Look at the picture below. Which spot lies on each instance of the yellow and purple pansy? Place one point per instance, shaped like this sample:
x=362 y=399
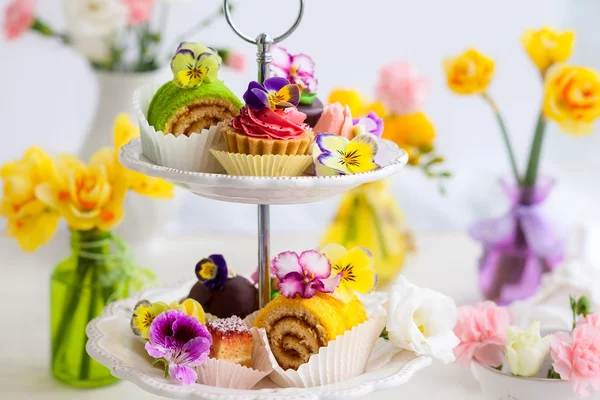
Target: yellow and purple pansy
x=212 y=271
x=144 y=313
x=336 y=155
x=276 y=92
x=193 y=64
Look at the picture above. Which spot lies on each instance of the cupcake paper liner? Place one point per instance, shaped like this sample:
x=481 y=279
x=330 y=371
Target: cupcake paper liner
x=267 y=165
x=225 y=374
x=185 y=153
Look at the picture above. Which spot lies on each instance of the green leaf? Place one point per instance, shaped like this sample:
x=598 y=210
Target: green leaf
x=583 y=306
x=384 y=334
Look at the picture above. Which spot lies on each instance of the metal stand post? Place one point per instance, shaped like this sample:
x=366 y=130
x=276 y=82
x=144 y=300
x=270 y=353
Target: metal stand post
x=263 y=58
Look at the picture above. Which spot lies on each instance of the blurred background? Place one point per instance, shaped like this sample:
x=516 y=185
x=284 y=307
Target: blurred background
x=48 y=97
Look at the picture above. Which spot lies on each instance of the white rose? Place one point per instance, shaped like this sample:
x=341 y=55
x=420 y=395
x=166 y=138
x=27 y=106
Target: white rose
x=422 y=320
x=526 y=350
x=92 y=25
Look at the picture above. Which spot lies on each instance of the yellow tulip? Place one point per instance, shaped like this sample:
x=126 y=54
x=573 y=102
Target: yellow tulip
x=572 y=98
x=124 y=131
x=548 y=46
x=469 y=73
x=87 y=196
x=30 y=221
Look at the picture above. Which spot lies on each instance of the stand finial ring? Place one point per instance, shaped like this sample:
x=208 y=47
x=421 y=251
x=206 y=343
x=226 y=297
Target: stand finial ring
x=252 y=40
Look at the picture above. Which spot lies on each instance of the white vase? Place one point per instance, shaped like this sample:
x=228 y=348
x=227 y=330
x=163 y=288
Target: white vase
x=145 y=219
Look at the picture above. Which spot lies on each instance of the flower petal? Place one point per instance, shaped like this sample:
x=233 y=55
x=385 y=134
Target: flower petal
x=155 y=351
x=330 y=143
x=286 y=263
x=183 y=60
x=287 y=96
x=334 y=252
x=316 y=264
x=356 y=268
x=330 y=284
x=275 y=84
x=360 y=154
x=185 y=374
x=195 y=352
x=261 y=99
x=304 y=64
x=281 y=59
x=291 y=285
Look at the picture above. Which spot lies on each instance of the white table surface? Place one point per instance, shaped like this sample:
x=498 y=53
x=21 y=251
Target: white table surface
x=445 y=261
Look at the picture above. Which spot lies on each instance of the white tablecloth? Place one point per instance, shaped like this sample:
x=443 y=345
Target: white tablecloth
x=444 y=261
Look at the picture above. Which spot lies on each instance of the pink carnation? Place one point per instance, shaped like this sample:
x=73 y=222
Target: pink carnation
x=140 y=11
x=235 y=60
x=482 y=334
x=18 y=18
x=592 y=319
x=577 y=358
x=401 y=88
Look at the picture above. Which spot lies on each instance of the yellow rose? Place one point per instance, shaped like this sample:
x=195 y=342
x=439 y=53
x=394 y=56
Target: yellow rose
x=30 y=221
x=87 y=196
x=351 y=98
x=412 y=132
x=548 y=46
x=469 y=73
x=124 y=131
x=572 y=98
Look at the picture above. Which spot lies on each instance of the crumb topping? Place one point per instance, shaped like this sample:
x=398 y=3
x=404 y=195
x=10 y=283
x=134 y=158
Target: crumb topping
x=228 y=326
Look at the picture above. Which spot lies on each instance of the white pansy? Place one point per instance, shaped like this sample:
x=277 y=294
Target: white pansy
x=526 y=350
x=422 y=320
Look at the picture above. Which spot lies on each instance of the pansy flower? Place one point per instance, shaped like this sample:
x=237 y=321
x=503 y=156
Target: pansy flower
x=144 y=313
x=193 y=64
x=181 y=342
x=354 y=267
x=372 y=124
x=212 y=271
x=336 y=155
x=297 y=68
x=304 y=274
x=276 y=92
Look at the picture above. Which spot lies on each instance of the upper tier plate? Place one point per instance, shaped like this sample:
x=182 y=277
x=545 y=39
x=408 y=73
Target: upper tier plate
x=262 y=190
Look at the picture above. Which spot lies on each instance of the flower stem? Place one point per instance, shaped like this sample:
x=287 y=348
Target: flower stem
x=503 y=130
x=535 y=152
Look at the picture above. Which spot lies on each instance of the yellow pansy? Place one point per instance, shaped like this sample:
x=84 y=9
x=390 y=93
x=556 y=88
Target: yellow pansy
x=30 y=222
x=469 y=73
x=572 y=98
x=144 y=313
x=355 y=266
x=191 y=307
x=87 y=196
x=124 y=131
x=336 y=155
x=547 y=46
x=414 y=133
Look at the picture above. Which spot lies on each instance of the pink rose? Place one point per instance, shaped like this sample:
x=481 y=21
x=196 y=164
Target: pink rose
x=18 y=18
x=235 y=60
x=140 y=11
x=401 y=88
x=336 y=119
x=577 y=358
x=482 y=334
x=592 y=319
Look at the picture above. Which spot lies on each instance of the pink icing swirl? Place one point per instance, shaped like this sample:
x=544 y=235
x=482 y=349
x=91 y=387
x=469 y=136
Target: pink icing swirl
x=271 y=124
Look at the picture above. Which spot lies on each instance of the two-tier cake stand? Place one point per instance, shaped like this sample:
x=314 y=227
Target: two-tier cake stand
x=107 y=342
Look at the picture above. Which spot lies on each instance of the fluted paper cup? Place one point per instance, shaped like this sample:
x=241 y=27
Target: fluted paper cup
x=185 y=153
x=225 y=374
x=273 y=165
x=343 y=358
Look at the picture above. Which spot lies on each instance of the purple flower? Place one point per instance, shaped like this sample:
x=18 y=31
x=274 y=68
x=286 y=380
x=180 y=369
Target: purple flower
x=181 y=341
x=276 y=92
x=297 y=68
x=372 y=123
x=212 y=271
x=305 y=275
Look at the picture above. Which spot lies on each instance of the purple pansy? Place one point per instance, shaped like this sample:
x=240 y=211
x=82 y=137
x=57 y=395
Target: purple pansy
x=304 y=274
x=276 y=92
x=297 y=68
x=212 y=271
x=181 y=341
x=372 y=123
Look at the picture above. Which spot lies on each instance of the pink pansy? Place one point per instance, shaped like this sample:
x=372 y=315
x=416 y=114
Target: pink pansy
x=296 y=68
x=482 y=334
x=592 y=319
x=577 y=358
x=304 y=274
x=140 y=11
x=335 y=119
x=401 y=88
x=235 y=60
x=18 y=18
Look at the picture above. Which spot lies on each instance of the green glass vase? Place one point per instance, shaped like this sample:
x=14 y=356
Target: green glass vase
x=99 y=270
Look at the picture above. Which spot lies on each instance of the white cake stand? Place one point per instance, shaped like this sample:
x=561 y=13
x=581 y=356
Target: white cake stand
x=110 y=341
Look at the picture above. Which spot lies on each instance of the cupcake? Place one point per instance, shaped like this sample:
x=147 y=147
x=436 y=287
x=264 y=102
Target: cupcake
x=269 y=136
x=299 y=69
x=179 y=121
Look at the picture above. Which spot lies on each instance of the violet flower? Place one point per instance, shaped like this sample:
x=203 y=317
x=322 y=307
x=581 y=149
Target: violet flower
x=212 y=271
x=297 y=68
x=372 y=123
x=276 y=92
x=305 y=275
x=181 y=342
